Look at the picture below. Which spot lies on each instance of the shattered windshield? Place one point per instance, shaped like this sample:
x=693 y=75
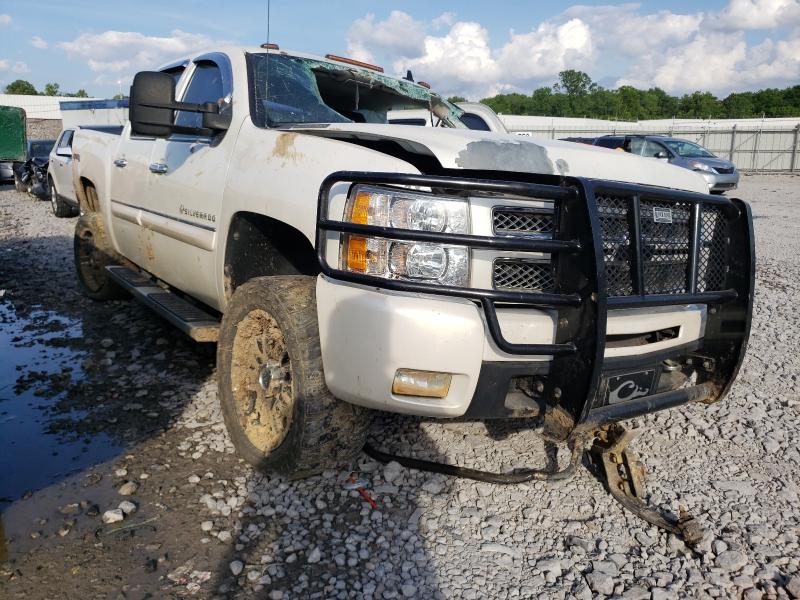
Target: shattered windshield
x=289 y=90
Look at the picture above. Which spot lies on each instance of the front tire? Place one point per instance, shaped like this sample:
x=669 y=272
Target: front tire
x=60 y=208
x=279 y=413
x=93 y=252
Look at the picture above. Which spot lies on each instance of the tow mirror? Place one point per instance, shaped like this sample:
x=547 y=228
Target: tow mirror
x=151 y=100
x=152 y=108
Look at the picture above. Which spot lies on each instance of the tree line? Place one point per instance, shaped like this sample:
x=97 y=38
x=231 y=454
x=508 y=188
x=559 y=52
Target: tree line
x=576 y=95
x=26 y=88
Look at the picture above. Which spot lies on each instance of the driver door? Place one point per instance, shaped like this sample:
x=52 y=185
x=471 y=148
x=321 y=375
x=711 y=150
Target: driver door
x=186 y=182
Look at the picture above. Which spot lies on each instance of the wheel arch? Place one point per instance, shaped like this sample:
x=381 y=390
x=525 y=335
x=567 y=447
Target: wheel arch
x=257 y=246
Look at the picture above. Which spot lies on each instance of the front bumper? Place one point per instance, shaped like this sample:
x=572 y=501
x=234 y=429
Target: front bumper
x=515 y=354
x=721 y=182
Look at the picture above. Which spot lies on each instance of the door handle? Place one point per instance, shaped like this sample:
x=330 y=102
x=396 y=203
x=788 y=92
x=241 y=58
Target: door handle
x=158 y=168
x=120 y=162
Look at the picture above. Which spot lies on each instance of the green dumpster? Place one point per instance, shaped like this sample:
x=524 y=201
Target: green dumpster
x=12 y=133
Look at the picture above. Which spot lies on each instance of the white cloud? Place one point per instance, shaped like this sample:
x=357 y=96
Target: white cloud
x=445 y=19
x=709 y=61
x=398 y=34
x=18 y=66
x=621 y=28
x=5 y=20
x=38 y=42
x=545 y=51
x=758 y=14
x=129 y=51
x=461 y=59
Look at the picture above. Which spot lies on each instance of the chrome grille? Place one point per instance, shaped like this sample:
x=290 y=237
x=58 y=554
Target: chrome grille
x=522 y=275
x=522 y=221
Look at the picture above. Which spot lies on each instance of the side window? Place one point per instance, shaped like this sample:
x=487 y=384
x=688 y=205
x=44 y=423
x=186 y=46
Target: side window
x=636 y=146
x=473 y=121
x=205 y=86
x=652 y=148
x=66 y=139
x=613 y=142
x=175 y=72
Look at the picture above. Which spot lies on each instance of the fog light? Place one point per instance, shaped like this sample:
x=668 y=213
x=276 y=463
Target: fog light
x=428 y=384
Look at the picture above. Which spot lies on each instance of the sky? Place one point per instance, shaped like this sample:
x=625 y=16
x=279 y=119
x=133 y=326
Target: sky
x=470 y=48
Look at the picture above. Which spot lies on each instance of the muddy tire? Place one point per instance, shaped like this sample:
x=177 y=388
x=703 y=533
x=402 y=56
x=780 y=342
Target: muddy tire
x=60 y=208
x=279 y=413
x=93 y=253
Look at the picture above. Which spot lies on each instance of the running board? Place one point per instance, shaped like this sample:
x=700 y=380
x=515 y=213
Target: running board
x=190 y=319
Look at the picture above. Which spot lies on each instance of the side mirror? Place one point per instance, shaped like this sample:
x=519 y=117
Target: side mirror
x=152 y=108
x=662 y=155
x=152 y=99
x=64 y=152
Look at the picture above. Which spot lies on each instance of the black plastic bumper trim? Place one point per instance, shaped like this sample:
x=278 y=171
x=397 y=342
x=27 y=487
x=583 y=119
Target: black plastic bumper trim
x=614 y=363
x=649 y=404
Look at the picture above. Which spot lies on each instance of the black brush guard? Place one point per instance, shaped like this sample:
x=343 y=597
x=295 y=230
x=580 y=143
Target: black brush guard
x=581 y=296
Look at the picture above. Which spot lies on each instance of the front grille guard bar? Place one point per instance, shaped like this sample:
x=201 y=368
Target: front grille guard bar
x=580 y=300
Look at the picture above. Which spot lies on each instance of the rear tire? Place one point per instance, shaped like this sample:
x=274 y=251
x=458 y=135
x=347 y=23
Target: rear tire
x=60 y=208
x=93 y=253
x=279 y=413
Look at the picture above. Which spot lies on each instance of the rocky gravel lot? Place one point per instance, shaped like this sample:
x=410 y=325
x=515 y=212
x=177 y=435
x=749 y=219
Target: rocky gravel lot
x=157 y=505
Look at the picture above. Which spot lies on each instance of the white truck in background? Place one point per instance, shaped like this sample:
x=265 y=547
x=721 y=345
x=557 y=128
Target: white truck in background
x=474 y=115
x=260 y=199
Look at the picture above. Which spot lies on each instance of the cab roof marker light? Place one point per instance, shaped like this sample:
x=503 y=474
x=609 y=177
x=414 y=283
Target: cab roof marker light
x=424 y=84
x=270 y=46
x=356 y=63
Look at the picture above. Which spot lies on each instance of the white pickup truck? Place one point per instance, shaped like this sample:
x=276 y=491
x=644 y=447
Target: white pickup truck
x=259 y=199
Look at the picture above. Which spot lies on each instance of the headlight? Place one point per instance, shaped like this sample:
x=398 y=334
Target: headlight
x=396 y=259
x=698 y=166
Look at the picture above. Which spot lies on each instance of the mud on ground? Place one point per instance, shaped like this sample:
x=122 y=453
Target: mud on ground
x=100 y=399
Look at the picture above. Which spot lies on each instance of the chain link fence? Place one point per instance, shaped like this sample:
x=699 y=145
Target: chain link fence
x=750 y=149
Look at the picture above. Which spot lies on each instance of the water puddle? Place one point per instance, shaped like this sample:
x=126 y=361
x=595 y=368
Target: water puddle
x=39 y=363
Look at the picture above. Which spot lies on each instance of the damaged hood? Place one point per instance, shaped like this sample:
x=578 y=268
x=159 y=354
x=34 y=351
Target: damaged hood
x=487 y=151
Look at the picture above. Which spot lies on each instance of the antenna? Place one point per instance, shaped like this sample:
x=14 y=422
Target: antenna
x=266 y=84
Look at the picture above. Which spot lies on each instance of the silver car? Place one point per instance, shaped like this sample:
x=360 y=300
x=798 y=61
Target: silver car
x=720 y=174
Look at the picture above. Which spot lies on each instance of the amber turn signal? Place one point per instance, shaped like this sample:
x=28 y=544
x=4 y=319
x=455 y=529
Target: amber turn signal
x=356 y=253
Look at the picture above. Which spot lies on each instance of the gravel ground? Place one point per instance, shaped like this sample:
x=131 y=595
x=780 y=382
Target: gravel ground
x=174 y=513
x=43 y=128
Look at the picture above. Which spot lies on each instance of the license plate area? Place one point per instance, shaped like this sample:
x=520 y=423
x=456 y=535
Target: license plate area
x=623 y=387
